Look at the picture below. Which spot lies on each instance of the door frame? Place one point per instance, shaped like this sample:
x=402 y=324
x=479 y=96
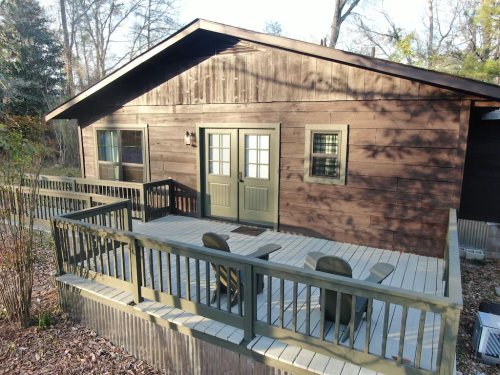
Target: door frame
x=199 y=157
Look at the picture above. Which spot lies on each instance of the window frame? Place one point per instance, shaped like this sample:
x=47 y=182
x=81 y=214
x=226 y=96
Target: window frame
x=342 y=131
x=120 y=164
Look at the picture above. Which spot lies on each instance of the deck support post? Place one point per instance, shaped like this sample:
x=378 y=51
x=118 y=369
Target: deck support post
x=135 y=270
x=248 y=291
x=128 y=220
x=446 y=359
x=57 y=248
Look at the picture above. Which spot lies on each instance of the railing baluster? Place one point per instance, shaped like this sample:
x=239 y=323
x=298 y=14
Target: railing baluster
x=308 y=310
x=100 y=241
x=420 y=339
x=169 y=274
x=282 y=300
x=402 y=334
x=178 y=274
x=160 y=272
x=122 y=253
x=294 y=313
x=143 y=266
x=386 y=328
x=188 y=280
x=217 y=279
x=337 y=317
x=151 y=271
x=323 y=315
x=197 y=265
x=207 y=284
x=108 y=264
x=269 y=295
x=228 y=289
x=369 y=312
x=352 y=322
x=239 y=292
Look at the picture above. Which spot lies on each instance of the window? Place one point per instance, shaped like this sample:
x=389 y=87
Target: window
x=257 y=156
x=325 y=154
x=121 y=154
x=219 y=157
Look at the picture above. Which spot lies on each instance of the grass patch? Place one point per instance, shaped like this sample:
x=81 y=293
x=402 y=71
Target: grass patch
x=57 y=170
x=44 y=320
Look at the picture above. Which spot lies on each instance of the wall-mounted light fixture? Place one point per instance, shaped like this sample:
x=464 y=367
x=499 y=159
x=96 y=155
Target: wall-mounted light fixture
x=190 y=139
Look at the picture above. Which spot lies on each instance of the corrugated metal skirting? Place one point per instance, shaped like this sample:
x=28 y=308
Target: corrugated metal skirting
x=472 y=234
x=169 y=350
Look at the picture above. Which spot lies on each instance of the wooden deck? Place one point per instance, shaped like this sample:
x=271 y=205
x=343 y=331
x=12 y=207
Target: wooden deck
x=412 y=272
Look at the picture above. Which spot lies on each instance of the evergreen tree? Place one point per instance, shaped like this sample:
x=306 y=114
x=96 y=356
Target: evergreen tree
x=30 y=59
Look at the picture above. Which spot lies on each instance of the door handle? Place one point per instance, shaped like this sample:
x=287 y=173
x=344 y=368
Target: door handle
x=240 y=176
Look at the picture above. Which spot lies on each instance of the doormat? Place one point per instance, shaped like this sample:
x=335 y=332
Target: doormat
x=249 y=231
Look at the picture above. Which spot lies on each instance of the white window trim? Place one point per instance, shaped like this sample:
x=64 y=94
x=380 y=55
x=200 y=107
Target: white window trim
x=343 y=130
x=143 y=127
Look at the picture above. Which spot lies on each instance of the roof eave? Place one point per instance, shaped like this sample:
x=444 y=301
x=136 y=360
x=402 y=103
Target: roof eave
x=486 y=90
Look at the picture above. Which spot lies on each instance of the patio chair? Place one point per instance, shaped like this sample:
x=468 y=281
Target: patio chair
x=337 y=266
x=218 y=242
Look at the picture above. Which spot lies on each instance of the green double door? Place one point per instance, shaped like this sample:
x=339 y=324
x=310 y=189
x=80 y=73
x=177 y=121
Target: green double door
x=240 y=175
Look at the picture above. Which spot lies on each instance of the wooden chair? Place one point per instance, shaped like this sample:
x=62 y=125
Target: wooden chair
x=337 y=266
x=218 y=242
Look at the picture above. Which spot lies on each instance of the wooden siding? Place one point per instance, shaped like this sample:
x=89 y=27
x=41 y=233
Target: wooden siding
x=273 y=75
x=401 y=166
x=406 y=139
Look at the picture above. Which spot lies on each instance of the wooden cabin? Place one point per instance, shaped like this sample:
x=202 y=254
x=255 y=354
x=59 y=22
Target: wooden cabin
x=297 y=137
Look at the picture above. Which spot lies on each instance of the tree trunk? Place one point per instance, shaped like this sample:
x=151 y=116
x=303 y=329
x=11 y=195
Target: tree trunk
x=336 y=24
x=68 y=55
x=430 y=45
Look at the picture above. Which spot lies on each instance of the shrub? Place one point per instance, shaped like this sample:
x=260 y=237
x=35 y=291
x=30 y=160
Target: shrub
x=19 y=156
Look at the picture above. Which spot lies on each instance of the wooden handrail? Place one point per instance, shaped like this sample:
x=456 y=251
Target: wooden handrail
x=149 y=200
x=143 y=247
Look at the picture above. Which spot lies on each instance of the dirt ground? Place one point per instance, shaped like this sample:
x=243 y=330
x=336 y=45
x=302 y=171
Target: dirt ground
x=63 y=347
x=479 y=279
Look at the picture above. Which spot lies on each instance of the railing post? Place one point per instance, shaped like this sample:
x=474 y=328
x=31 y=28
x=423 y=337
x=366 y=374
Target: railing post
x=128 y=218
x=57 y=248
x=446 y=360
x=135 y=270
x=249 y=303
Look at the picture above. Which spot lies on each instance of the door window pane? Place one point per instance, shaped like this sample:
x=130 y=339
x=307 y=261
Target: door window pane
x=257 y=156
x=131 y=146
x=219 y=154
x=251 y=170
x=108 y=145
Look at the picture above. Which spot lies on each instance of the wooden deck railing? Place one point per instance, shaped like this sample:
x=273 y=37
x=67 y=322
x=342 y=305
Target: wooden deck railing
x=180 y=275
x=149 y=200
x=53 y=203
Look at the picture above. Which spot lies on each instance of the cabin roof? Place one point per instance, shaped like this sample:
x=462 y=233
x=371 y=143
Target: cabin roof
x=482 y=89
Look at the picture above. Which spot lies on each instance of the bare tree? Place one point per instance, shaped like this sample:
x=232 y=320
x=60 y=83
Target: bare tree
x=154 y=21
x=101 y=21
x=339 y=16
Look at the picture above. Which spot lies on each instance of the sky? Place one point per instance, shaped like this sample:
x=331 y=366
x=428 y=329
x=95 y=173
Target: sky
x=304 y=20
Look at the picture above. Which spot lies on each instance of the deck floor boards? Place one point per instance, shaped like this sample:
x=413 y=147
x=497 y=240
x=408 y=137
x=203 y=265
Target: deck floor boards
x=412 y=272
